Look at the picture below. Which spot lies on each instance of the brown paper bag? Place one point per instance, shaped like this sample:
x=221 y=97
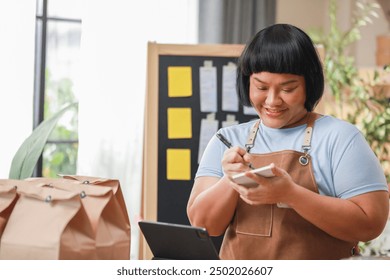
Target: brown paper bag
x=121 y=217
x=47 y=223
x=105 y=214
x=8 y=197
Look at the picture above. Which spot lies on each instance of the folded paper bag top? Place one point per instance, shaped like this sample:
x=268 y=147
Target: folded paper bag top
x=94 y=199
x=70 y=186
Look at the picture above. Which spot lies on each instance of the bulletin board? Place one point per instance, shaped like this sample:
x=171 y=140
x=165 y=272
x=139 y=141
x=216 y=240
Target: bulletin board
x=180 y=81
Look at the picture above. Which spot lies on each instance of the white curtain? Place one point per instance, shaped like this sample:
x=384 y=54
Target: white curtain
x=17 y=31
x=112 y=82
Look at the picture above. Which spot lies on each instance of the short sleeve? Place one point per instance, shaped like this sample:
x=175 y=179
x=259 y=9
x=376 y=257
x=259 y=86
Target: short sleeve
x=357 y=169
x=210 y=163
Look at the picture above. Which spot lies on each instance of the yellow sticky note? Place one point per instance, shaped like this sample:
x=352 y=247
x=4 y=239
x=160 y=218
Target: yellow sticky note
x=179 y=123
x=179 y=81
x=178 y=164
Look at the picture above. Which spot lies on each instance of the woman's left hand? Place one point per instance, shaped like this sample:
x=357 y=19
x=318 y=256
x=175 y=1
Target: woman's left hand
x=269 y=190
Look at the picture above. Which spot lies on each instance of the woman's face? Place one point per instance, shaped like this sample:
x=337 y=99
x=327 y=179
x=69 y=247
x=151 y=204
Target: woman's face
x=279 y=99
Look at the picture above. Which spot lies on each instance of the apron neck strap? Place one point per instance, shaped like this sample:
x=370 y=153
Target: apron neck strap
x=252 y=135
x=306 y=140
x=306 y=146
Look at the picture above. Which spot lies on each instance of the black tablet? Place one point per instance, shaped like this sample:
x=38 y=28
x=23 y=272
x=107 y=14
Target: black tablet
x=178 y=242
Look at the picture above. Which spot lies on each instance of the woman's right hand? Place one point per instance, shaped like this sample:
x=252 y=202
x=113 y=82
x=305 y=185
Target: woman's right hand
x=235 y=160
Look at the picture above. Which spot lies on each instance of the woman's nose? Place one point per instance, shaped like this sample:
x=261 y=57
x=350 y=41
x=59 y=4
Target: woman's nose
x=273 y=98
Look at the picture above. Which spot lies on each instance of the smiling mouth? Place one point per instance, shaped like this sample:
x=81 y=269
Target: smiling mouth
x=273 y=112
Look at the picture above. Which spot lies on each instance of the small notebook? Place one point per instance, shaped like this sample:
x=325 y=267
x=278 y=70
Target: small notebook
x=178 y=242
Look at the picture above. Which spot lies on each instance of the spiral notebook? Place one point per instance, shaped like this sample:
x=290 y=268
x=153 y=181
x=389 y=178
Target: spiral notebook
x=178 y=242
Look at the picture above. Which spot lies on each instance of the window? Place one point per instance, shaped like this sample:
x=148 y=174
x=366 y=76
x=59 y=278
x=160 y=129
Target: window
x=58 y=33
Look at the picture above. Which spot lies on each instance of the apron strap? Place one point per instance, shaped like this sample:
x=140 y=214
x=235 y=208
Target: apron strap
x=306 y=146
x=252 y=135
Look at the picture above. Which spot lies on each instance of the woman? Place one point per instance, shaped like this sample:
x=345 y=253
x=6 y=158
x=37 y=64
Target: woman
x=325 y=172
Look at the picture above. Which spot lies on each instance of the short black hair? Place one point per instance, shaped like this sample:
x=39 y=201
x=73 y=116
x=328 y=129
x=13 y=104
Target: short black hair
x=281 y=48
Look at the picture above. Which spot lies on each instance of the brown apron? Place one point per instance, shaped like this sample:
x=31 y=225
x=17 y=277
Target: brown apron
x=276 y=232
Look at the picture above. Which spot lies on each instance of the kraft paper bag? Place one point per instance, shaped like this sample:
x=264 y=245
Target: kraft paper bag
x=105 y=214
x=118 y=196
x=47 y=224
x=8 y=197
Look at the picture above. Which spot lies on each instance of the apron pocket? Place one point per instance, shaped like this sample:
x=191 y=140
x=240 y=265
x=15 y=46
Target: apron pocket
x=254 y=220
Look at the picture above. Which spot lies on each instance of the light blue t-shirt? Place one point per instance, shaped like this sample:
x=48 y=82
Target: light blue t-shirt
x=343 y=163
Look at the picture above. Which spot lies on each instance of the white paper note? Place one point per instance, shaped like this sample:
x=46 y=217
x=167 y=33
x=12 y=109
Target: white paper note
x=229 y=93
x=208 y=87
x=208 y=127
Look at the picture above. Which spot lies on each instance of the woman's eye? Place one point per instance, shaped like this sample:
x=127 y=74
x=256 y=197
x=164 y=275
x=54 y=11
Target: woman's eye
x=288 y=89
x=262 y=88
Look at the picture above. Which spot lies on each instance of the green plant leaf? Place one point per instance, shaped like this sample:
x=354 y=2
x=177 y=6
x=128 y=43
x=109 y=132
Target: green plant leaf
x=27 y=156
